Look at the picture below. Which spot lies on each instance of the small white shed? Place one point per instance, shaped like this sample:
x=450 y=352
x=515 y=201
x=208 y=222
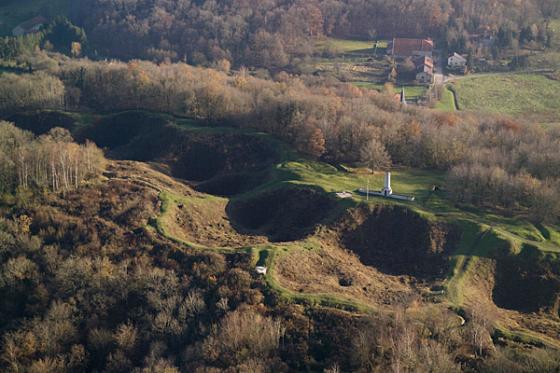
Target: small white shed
x=456 y=61
x=261 y=270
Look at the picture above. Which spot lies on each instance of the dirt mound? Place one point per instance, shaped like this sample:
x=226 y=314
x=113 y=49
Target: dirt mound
x=528 y=282
x=397 y=240
x=43 y=121
x=286 y=214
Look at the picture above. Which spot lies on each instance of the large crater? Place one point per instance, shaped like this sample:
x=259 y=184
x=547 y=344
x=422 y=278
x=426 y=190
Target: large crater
x=119 y=130
x=398 y=241
x=285 y=214
x=217 y=162
x=527 y=282
x=229 y=157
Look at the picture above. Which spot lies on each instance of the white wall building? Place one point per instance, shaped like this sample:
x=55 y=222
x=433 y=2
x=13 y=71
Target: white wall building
x=456 y=61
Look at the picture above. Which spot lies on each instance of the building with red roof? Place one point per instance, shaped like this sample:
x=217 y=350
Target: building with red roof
x=405 y=47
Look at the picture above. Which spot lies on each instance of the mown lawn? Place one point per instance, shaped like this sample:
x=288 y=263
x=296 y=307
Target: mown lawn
x=530 y=96
x=345 y=45
x=411 y=91
x=14 y=12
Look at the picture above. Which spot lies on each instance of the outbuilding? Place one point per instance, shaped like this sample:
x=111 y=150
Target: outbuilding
x=456 y=61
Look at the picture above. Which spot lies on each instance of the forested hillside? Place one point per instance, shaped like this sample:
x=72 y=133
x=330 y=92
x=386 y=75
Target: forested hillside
x=277 y=33
x=195 y=186
x=492 y=160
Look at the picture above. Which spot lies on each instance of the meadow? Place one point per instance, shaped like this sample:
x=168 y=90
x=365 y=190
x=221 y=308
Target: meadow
x=528 y=96
x=346 y=45
x=447 y=100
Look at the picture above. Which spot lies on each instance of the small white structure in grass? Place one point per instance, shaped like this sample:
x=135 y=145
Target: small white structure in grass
x=261 y=270
x=344 y=195
x=387 y=191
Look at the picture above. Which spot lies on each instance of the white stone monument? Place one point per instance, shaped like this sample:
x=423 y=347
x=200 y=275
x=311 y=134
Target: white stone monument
x=387 y=191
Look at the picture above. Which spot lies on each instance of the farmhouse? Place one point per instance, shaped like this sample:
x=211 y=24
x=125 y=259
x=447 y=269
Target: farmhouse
x=456 y=61
x=404 y=47
x=424 y=70
x=30 y=26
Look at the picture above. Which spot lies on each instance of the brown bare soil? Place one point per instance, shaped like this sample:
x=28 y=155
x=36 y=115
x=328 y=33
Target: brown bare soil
x=336 y=271
x=203 y=221
x=151 y=176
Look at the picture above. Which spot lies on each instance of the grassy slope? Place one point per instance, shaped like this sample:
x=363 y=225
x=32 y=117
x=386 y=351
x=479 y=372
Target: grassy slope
x=295 y=170
x=14 y=12
x=482 y=231
x=447 y=101
x=526 y=95
x=345 y=46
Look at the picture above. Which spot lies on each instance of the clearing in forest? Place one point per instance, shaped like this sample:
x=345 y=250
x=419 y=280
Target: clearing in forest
x=529 y=96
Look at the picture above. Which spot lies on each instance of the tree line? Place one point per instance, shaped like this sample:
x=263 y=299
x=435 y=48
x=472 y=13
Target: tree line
x=279 y=33
x=329 y=120
x=50 y=162
x=59 y=35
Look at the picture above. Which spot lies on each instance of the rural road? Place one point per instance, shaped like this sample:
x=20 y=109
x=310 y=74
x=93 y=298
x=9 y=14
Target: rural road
x=439 y=77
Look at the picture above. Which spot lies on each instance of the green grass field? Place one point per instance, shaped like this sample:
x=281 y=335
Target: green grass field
x=530 y=96
x=412 y=91
x=347 y=46
x=447 y=101
x=14 y=12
